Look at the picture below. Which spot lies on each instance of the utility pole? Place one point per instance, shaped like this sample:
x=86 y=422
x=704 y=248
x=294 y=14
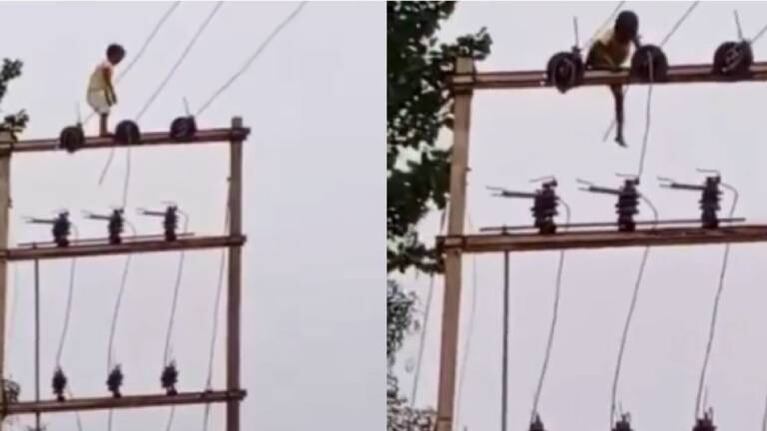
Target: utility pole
x=233 y=394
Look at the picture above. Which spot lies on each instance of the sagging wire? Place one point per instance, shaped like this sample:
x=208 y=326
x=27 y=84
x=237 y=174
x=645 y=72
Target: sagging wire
x=424 y=330
x=764 y=416
x=554 y=318
x=113 y=329
x=469 y=330
x=216 y=306
x=665 y=40
x=253 y=57
x=176 y=289
x=630 y=316
x=648 y=117
x=157 y=92
x=143 y=48
x=715 y=311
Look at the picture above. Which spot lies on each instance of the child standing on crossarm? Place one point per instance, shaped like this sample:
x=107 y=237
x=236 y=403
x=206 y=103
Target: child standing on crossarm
x=101 y=93
x=609 y=52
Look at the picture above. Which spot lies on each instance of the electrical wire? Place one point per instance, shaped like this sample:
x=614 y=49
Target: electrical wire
x=68 y=310
x=665 y=40
x=424 y=330
x=715 y=311
x=604 y=25
x=469 y=330
x=629 y=316
x=554 y=318
x=648 y=119
x=253 y=57
x=166 y=80
x=143 y=48
x=216 y=306
x=764 y=416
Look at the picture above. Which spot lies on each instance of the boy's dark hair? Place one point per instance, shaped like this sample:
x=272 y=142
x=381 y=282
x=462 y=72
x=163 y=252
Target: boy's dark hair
x=114 y=50
x=627 y=23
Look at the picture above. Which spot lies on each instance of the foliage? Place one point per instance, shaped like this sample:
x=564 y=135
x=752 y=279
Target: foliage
x=14 y=123
x=419 y=105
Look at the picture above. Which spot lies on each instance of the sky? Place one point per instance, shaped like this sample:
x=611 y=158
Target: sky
x=519 y=135
x=312 y=209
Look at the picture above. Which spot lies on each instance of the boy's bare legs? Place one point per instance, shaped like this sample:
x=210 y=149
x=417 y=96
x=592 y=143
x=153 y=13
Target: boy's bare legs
x=104 y=129
x=617 y=91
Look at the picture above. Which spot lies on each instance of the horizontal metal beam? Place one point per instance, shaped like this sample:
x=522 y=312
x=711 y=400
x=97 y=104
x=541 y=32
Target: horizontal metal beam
x=681 y=74
x=124 y=402
x=148 y=138
x=127 y=247
x=84 y=241
x=607 y=224
x=488 y=243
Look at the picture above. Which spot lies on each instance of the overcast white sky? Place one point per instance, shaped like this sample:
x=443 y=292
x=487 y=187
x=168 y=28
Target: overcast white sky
x=313 y=294
x=520 y=135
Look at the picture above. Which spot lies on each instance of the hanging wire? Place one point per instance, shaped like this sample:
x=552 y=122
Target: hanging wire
x=78 y=420
x=715 y=311
x=252 y=58
x=764 y=416
x=424 y=330
x=470 y=329
x=665 y=40
x=630 y=316
x=165 y=81
x=216 y=306
x=143 y=48
x=176 y=290
x=554 y=317
x=70 y=296
x=648 y=118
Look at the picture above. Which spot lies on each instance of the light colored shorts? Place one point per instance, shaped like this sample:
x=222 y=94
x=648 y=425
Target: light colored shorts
x=98 y=101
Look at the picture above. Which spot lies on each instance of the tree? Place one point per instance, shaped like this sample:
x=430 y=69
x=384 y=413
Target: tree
x=419 y=105
x=13 y=123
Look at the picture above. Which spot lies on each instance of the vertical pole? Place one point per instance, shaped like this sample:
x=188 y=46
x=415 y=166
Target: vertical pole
x=457 y=211
x=5 y=204
x=37 y=341
x=235 y=278
x=505 y=354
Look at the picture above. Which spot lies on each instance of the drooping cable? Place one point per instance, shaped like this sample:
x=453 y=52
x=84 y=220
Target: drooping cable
x=143 y=48
x=165 y=81
x=70 y=297
x=172 y=318
x=665 y=40
x=116 y=313
x=715 y=311
x=214 y=332
x=469 y=330
x=554 y=318
x=424 y=329
x=252 y=58
x=629 y=317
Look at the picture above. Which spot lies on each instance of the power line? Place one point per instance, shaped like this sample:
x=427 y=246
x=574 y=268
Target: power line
x=552 y=328
x=252 y=58
x=605 y=23
x=715 y=311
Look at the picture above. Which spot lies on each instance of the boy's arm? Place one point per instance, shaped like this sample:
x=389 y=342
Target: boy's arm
x=111 y=96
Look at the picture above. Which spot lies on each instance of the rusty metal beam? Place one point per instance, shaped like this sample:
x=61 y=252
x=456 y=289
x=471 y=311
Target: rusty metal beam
x=84 y=241
x=124 y=402
x=681 y=74
x=609 y=223
x=137 y=246
x=219 y=135
x=488 y=243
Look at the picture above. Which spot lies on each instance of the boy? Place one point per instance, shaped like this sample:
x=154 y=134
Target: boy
x=101 y=93
x=609 y=52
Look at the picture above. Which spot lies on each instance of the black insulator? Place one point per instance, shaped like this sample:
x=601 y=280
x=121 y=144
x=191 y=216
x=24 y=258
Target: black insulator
x=623 y=425
x=704 y=424
x=649 y=63
x=170 y=223
x=626 y=208
x=114 y=381
x=710 y=203
x=59 y=384
x=127 y=132
x=169 y=379
x=115 y=226
x=11 y=391
x=537 y=425
x=61 y=229
x=733 y=59
x=183 y=128
x=545 y=208
x=72 y=138
x=565 y=70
